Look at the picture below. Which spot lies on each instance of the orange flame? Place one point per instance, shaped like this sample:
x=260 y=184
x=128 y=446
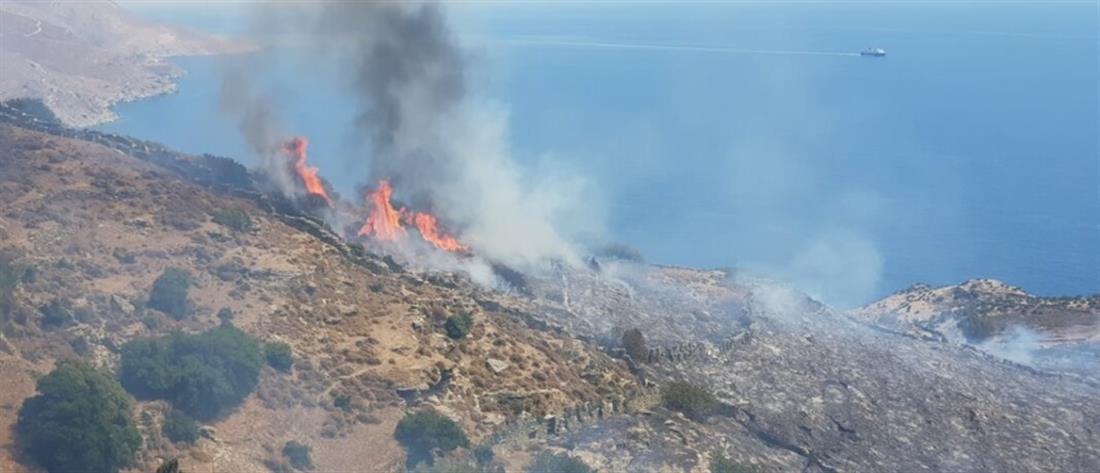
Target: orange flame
x=296 y=148
x=383 y=221
x=426 y=223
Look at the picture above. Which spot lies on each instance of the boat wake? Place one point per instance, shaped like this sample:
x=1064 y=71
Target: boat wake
x=520 y=42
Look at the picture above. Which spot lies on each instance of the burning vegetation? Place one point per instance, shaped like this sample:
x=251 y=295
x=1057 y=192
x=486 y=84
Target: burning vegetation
x=296 y=150
x=384 y=221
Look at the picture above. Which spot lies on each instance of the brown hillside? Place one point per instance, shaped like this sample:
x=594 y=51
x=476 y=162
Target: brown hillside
x=98 y=226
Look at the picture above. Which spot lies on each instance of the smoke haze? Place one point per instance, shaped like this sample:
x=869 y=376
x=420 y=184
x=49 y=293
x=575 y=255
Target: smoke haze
x=418 y=125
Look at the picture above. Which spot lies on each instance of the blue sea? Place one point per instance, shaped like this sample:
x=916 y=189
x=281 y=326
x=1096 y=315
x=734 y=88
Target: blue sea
x=747 y=135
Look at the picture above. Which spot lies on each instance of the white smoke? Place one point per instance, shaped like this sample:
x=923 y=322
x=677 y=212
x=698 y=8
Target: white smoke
x=1017 y=343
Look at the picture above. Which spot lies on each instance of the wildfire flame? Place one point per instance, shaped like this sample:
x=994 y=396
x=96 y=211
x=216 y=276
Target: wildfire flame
x=426 y=223
x=296 y=149
x=384 y=221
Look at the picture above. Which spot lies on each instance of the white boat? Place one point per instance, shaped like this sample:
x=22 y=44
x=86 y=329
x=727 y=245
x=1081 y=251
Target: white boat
x=873 y=52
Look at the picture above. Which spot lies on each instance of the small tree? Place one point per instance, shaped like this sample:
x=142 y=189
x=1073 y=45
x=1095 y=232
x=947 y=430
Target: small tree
x=180 y=427
x=169 y=293
x=80 y=420
x=693 y=401
x=458 y=326
x=299 y=455
x=634 y=344
x=279 y=356
x=548 y=462
x=424 y=432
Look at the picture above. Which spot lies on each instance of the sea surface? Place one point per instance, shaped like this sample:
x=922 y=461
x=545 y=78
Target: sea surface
x=748 y=135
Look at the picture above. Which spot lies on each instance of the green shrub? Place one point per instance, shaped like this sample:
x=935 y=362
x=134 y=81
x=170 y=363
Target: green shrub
x=170 y=466
x=11 y=274
x=169 y=293
x=80 y=420
x=634 y=344
x=483 y=454
x=299 y=455
x=342 y=401
x=458 y=326
x=423 y=432
x=719 y=463
x=56 y=313
x=235 y=219
x=693 y=401
x=226 y=315
x=455 y=467
x=203 y=375
x=180 y=427
x=558 y=463
x=278 y=356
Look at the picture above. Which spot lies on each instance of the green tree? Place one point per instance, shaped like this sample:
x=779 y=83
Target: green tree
x=695 y=402
x=80 y=420
x=458 y=326
x=548 y=462
x=204 y=375
x=424 y=432
x=169 y=293
x=279 y=356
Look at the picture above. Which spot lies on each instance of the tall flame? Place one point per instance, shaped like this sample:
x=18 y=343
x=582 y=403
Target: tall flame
x=296 y=148
x=426 y=223
x=383 y=221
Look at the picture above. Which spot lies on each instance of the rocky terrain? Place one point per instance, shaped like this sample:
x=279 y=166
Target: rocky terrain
x=1059 y=333
x=80 y=58
x=800 y=387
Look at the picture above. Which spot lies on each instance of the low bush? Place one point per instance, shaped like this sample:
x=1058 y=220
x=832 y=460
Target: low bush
x=170 y=466
x=203 y=375
x=426 y=431
x=483 y=454
x=278 y=355
x=169 y=293
x=56 y=313
x=558 y=463
x=80 y=420
x=299 y=455
x=226 y=315
x=180 y=427
x=234 y=219
x=719 y=463
x=458 y=326
x=695 y=402
x=634 y=344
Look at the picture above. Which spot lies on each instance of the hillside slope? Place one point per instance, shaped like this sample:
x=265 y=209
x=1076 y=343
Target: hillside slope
x=98 y=226
x=800 y=387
